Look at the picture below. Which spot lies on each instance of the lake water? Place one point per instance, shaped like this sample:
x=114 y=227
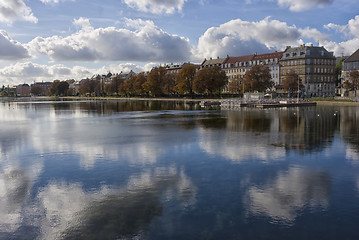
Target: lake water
x=171 y=170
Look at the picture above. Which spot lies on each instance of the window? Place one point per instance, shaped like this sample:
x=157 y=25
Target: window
x=308 y=61
x=308 y=69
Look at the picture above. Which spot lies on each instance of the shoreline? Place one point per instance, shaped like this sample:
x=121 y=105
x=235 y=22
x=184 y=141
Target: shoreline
x=319 y=103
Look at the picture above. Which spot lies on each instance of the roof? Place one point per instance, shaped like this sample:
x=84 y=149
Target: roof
x=306 y=52
x=268 y=56
x=234 y=60
x=354 y=57
x=214 y=61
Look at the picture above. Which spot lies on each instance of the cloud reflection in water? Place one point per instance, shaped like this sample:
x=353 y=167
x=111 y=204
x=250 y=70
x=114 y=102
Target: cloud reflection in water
x=72 y=213
x=288 y=193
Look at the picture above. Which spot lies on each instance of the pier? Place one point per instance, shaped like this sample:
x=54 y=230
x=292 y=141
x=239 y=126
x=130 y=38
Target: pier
x=267 y=103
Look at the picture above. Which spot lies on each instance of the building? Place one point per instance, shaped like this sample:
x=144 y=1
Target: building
x=272 y=61
x=124 y=75
x=214 y=62
x=42 y=87
x=23 y=90
x=236 y=67
x=315 y=67
x=176 y=68
x=349 y=64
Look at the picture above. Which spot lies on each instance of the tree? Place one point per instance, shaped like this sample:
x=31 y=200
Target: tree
x=291 y=82
x=185 y=79
x=58 y=88
x=353 y=83
x=128 y=86
x=338 y=71
x=258 y=79
x=154 y=80
x=89 y=86
x=210 y=80
x=36 y=90
x=169 y=83
x=115 y=85
x=139 y=80
x=235 y=86
x=54 y=88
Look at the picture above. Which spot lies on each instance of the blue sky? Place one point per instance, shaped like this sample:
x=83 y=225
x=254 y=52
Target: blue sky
x=43 y=40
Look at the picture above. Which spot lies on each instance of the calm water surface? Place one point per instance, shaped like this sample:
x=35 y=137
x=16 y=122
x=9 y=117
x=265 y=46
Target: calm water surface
x=170 y=170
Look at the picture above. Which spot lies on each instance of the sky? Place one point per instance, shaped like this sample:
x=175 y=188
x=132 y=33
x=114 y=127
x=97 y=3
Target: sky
x=44 y=40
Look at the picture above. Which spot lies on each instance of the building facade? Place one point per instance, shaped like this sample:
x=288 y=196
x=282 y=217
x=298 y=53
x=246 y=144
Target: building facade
x=23 y=90
x=315 y=67
x=43 y=86
x=176 y=68
x=214 y=62
x=236 y=67
x=350 y=64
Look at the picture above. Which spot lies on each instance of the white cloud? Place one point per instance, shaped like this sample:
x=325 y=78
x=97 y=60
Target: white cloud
x=314 y=34
x=83 y=23
x=28 y=72
x=301 y=5
x=156 y=6
x=146 y=43
x=238 y=37
x=11 y=49
x=12 y=10
x=350 y=31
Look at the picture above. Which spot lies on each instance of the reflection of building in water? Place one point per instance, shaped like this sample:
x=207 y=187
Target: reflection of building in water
x=304 y=129
x=290 y=193
x=312 y=128
x=232 y=141
x=349 y=130
x=266 y=135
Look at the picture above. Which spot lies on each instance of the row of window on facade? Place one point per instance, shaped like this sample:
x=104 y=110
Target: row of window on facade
x=308 y=61
x=308 y=70
x=250 y=63
x=321 y=87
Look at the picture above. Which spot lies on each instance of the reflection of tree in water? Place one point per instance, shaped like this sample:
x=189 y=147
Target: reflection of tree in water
x=349 y=125
x=303 y=129
x=116 y=217
x=110 y=107
x=249 y=120
x=320 y=126
x=215 y=121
